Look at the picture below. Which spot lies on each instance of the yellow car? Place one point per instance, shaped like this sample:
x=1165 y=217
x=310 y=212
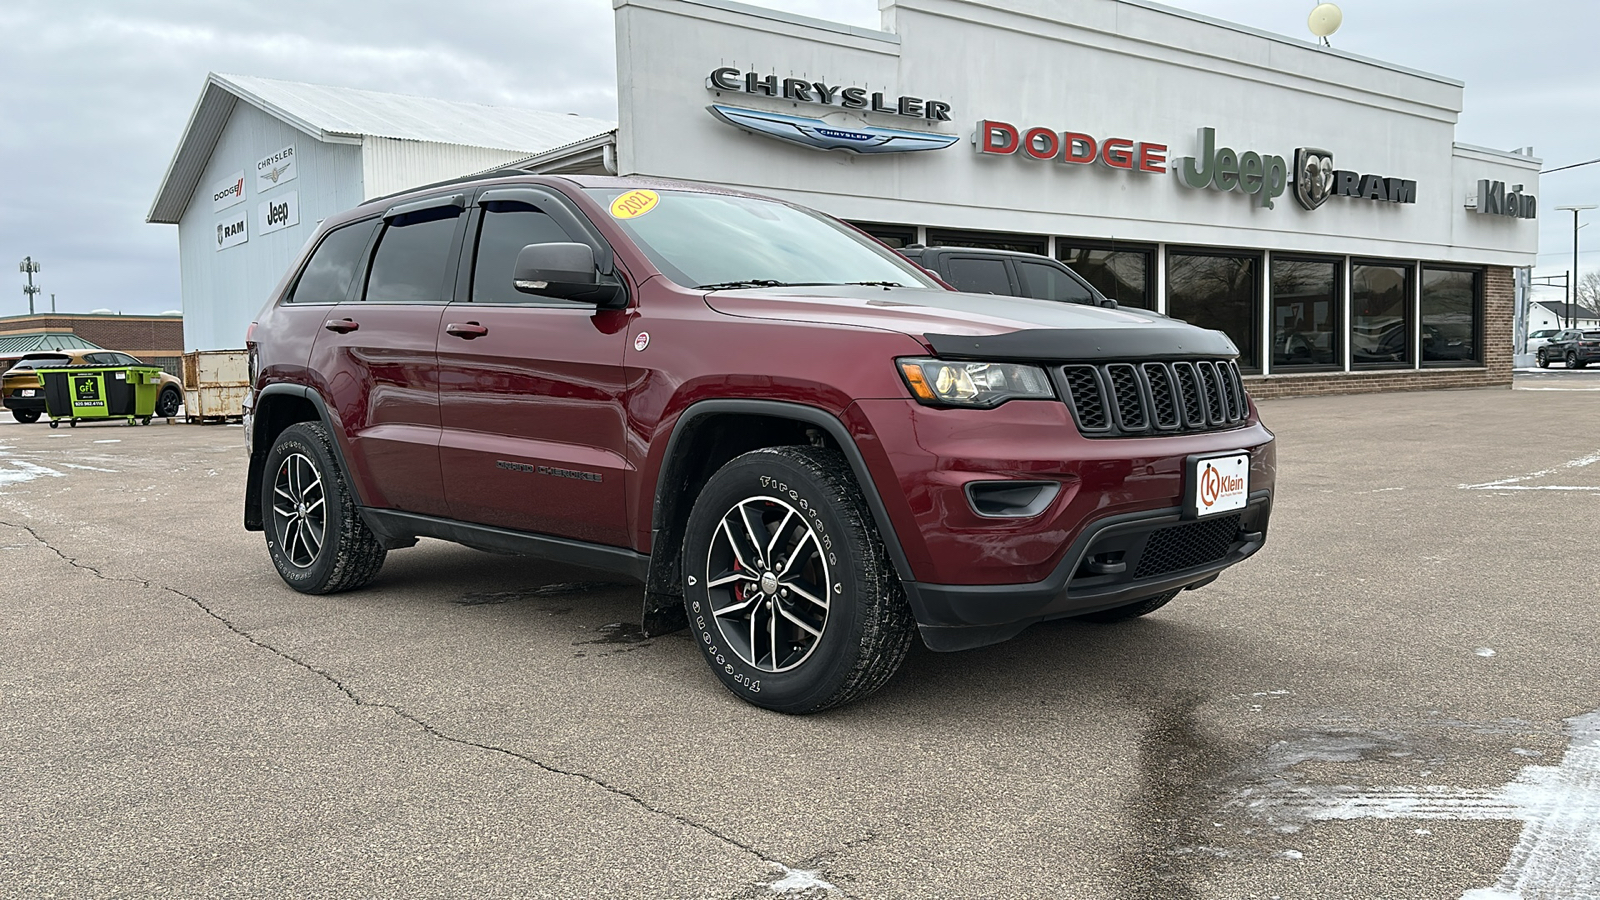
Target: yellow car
x=22 y=391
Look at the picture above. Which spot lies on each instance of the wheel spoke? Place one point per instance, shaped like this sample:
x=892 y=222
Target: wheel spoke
x=282 y=493
x=798 y=621
x=738 y=607
x=312 y=506
x=315 y=535
x=737 y=576
x=777 y=533
x=755 y=660
x=755 y=542
x=772 y=636
x=733 y=544
x=805 y=593
x=797 y=555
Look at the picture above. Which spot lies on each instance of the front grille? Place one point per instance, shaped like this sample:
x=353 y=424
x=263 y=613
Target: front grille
x=1186 y=546
x=1121 y=399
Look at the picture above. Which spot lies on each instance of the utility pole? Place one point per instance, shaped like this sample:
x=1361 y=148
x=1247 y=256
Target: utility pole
x=29 y=267
x=52 y=304
x=1573 y=302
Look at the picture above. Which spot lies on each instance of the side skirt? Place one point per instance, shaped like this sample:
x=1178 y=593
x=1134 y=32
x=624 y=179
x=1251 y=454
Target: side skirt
x=401 y=529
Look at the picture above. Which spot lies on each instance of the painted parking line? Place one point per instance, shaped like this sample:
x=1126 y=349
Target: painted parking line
x=1513 y=483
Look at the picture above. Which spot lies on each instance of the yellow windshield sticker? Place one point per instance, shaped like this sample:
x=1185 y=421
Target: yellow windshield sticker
x=634 y=204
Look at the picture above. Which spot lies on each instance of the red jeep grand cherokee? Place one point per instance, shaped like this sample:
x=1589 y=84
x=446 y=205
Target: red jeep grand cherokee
x=800 y=443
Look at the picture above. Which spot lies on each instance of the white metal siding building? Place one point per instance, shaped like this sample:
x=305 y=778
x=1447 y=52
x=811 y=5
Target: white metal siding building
x=261 y=162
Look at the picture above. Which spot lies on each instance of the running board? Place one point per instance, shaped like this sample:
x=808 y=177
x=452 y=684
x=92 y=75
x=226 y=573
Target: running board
x=401 y=529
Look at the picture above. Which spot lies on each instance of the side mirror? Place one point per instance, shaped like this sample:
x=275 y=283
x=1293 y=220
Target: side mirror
x=1108 y=303
x=566 y=272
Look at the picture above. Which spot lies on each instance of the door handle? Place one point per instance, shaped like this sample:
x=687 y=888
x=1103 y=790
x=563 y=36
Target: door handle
x=467 y=330
x=342 y=326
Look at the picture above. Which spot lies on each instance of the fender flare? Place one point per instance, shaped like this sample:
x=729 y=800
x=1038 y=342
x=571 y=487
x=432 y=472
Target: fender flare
x=810 y=415
x=259 y=451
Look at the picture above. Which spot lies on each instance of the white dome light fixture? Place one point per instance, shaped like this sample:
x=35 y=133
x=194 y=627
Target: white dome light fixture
x=1325 y=20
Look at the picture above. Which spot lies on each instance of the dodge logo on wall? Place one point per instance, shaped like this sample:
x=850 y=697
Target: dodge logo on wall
x=1313 y=176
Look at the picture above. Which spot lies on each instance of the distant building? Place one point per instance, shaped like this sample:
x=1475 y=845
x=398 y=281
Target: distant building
x=1545 y=314
x=158 y=340
x=261 y=162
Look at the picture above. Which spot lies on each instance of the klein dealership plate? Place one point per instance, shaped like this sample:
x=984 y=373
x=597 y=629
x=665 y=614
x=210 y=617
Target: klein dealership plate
x=1217 y=483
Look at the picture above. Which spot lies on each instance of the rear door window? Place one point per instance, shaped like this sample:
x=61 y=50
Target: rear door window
x=979 y=275
x=506 y=229
x=1047 y=282
x=413 y=256
x=333 y=265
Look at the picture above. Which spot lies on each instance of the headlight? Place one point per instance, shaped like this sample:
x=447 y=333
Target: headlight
x=977 y=384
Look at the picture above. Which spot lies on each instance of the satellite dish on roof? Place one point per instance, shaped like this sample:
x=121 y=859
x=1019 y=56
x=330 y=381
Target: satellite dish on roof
x=1325 y=19
x=101 y=312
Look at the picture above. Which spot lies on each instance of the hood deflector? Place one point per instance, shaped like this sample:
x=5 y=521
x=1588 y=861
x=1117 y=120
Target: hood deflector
x=1165 y=341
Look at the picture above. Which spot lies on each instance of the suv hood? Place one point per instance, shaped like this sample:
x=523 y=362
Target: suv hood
x=983 y=326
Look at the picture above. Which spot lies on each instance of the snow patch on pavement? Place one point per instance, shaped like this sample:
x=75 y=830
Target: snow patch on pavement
x=795 y=881
x=20 y=471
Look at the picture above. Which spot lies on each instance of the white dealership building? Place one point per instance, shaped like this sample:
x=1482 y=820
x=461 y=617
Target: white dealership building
x=1311 y=203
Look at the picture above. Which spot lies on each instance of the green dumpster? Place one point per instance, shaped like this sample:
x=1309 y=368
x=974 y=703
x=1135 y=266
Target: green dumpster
x=77 y=393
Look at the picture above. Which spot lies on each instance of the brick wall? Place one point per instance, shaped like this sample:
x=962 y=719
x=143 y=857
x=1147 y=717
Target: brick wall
x=142 y=336
x=1499 y=310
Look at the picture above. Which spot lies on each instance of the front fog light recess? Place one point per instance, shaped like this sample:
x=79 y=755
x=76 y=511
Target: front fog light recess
x=980 y=384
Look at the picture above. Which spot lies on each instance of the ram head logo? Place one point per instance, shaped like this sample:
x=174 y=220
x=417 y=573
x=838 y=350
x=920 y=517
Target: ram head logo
x=1313 y=176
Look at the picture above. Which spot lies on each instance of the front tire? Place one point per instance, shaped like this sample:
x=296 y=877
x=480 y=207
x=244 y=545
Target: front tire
x=167 y=404
x=25 y=416
x=1542 y=360
x=315 y=535
x=787 y=585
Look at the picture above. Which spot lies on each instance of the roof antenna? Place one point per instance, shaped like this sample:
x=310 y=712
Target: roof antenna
x=1325 y=20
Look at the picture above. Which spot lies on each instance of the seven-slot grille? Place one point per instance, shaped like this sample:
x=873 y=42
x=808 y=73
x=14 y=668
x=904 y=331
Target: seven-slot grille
x=1117 y=399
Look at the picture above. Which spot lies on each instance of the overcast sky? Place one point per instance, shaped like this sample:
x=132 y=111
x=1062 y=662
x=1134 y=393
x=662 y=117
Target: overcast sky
x=94 y=96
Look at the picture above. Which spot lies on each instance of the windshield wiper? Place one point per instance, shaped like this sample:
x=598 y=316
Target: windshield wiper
x=752 y=283
x=887 y=284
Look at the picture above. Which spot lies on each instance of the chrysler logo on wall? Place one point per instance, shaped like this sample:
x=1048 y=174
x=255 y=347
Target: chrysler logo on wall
x=1313 y=176
x=818 y=134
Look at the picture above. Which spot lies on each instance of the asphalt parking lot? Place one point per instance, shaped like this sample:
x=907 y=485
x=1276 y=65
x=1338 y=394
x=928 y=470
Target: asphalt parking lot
x=1395 y=699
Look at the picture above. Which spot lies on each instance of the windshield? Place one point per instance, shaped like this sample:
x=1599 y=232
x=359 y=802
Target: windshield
x=714 y=241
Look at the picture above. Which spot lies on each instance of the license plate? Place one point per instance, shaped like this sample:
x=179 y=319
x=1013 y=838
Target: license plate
x=1217 y=483
x=26 y=393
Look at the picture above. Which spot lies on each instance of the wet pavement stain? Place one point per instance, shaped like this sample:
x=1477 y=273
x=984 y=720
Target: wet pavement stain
x=617 y=633
x=1172 y=812
x=491 y=598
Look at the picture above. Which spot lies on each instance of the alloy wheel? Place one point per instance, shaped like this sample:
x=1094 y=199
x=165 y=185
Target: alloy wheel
x=767 y=574
x=299 y=510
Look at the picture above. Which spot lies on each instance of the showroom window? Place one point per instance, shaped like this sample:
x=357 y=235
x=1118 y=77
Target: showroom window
x=1452 y=316
x=988 y=240
x=897 y=236
x=1119 y=271
x=1221 y=291
x=1380 y=315
x=1306 y=299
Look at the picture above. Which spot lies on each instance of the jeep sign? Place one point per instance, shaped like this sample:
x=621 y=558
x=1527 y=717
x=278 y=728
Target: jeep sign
x=277 y=213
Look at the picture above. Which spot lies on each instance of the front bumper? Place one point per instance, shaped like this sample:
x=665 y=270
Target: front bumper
x=1115 y=561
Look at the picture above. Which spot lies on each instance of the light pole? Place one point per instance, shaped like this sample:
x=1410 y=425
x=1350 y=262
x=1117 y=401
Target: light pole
x=1572 y=304
x=29 y=267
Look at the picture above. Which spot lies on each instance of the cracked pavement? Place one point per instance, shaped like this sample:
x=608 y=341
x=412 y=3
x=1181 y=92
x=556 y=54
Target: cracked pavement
x=174 y=721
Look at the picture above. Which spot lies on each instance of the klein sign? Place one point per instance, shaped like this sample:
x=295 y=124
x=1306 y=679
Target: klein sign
x=1494 y=200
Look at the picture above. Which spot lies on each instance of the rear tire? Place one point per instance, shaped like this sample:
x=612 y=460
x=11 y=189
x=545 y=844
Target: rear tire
x=25 y=416
x=800 y=609
x=167 y=404
x=1572 y=360
x=315 y=534
x=1132 y=610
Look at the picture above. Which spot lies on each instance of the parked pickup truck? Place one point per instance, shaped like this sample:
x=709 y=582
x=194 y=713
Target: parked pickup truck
x=806 y=448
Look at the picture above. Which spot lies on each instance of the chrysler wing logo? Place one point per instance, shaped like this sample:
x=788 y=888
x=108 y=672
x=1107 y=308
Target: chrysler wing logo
x=275 y=173
x=820 y=135
x=1313 y=176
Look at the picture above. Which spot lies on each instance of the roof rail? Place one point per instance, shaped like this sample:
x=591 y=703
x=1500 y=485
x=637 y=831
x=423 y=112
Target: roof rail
x=464 y=179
